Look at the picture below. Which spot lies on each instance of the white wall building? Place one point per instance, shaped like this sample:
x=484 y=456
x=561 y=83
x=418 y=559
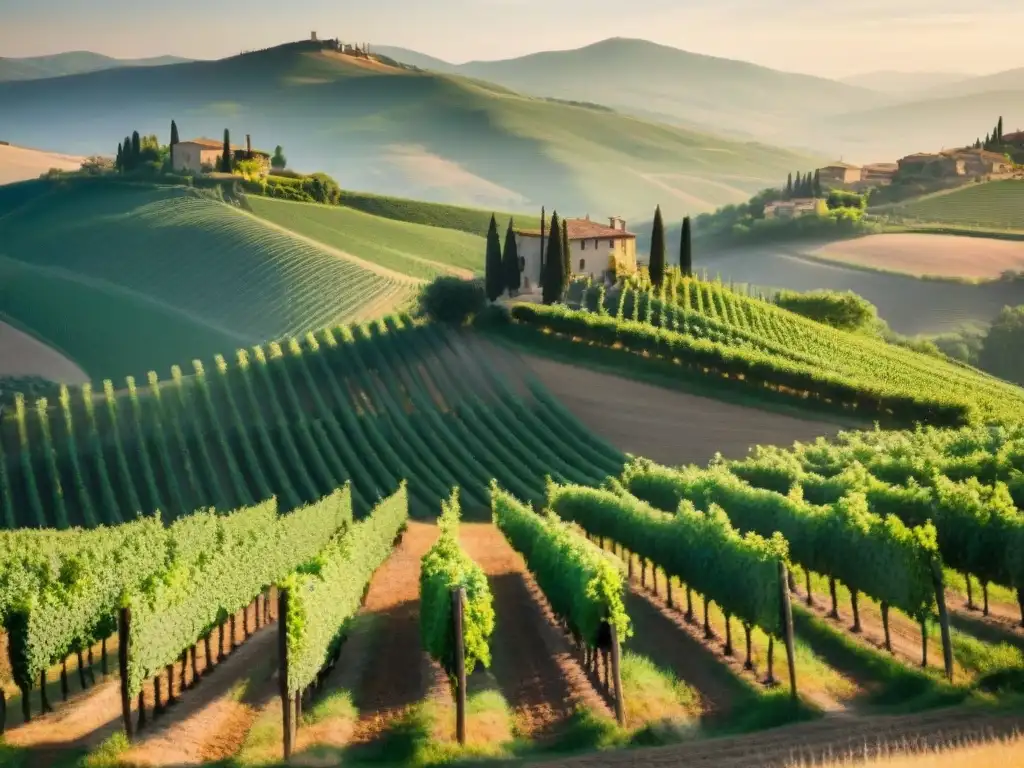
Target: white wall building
x=594 y=249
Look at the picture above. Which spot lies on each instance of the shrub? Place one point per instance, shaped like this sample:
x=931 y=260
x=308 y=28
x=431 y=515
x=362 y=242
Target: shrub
x=1002 y=353
x=453 y=300
x=846 y=311
x=839 y=199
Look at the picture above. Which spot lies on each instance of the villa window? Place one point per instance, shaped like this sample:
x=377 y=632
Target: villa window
x=583 y=245
x=583 y=264
x=522 y=263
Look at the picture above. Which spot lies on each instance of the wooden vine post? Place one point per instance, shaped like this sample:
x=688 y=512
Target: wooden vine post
x=458 y=602
x=124 y=622
x=282 y=656
x=940 y=599
x=620 y=710
x=787 y=627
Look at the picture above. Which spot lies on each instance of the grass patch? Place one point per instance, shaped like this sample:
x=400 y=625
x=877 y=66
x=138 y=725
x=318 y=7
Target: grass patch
x=108 y=754
x=336 y=705
x=653 y=694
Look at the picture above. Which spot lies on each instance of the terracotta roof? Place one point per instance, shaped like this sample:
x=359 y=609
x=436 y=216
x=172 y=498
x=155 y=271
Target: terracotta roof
x=840 y=164
x=881 y=166
x=207 y=143
x=921 y=156
x=583 y=229
x=1014 y=137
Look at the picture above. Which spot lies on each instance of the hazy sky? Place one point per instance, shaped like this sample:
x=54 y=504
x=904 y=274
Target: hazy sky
x=826 y=37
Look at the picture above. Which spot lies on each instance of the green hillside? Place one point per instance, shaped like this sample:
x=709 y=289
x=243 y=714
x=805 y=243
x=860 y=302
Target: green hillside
x=72 y=63
x=995 y=205
x=217 y=272
x=394 y=131
x=411 y=249
x=700 y=330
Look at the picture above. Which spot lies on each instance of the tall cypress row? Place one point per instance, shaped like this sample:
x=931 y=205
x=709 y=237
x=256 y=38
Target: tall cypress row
x=510 y=261
x=656 y=265
x=686 y=250
x=552 y=275
x=494 y=278
x=136 y=149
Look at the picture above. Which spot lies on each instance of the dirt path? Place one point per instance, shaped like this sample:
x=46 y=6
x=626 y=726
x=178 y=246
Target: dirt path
x=368 y=265
x=397 y=673
x=23 y=355
x=665 y=425
x=210 y=722
x=812 y=741
x=533 y=663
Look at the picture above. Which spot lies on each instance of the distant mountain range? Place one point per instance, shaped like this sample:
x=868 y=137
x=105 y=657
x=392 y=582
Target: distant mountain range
x=72 y=63
x=865 y=118
x=392 y=130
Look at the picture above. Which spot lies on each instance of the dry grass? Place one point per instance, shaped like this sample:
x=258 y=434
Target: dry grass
x=19 y=163
x=959 y=753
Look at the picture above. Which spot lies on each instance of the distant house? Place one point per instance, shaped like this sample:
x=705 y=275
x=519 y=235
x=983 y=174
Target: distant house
x=840 y=173
x=879 y=173
x=594 y=249
x=195 y=154
x=935 y=164
x=791 y=209
x=980 y=162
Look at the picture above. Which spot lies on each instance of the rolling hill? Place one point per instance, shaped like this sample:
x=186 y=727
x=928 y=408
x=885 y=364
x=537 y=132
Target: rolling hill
x=395 y=131
x=20 y=164
x=73 y=63
x=904 y=83
x=125 y=278
x=665 y=83
x=995 y=205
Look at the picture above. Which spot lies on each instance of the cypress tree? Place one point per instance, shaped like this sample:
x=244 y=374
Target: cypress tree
x=119 y=160
x=174 y=133
x=552 y=275
x=797 y=184
x=136 y=148
x=988 y=141
x=817 y=183
x=542 y=251
x=656 y=266
x=225 y=154
x=566 y=256
x=510 y=261
x=494 y=279
x=789 y=185
x=809 y=182
x=686 y=250
x=999 y=130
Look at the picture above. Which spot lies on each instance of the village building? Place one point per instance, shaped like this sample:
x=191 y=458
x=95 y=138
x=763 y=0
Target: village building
x=201 y=155
x=980 y=162
x=595 y=250
x=791 y=209
x=879 y=174
x=935 y=164
x=839 y=173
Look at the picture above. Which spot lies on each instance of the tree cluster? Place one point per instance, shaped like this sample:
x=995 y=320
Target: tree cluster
x=137 y=152
x=807 y=185
x=656 y=266
x=501 y=265
x=994 y=140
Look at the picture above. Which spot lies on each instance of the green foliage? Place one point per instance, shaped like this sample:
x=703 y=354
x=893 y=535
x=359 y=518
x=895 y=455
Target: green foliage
x=994 y=205
x=846 y=311
x=278 y=161
x=1003 y=350
x=325 y=592
x=552 y=272
x=837 y=540
x=494 y=273
x=739 y=573
x=59 y=591
x=686 y=248
x=510 y=261
x=218 y=565
x=839 y=199
x=583 y=584
x=445 y=568
x=226 y=154
x=656 y=265
x=452 y=300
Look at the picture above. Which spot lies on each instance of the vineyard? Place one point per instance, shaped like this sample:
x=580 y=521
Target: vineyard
x=411 y=249
x=635 y=589
x=131 y=263
x=995 y=205
x=702 y=329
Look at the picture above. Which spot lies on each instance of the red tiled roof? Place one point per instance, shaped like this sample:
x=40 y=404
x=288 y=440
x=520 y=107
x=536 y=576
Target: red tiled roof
x=583 y=229
x=208 y=143
x=840 y=164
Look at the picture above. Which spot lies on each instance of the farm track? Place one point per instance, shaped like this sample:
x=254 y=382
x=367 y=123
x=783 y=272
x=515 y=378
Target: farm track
x=812 y=741
x=534 y=665
x=664 y=425
x=396 y=676
x=1001 y=625
x=208 y=722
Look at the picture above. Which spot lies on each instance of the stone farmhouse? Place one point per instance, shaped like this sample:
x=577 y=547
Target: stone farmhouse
x=955 y=162
x=200 y=155
x=595 y=250
x=795 y=208
x=856 y=176
x=839 y=173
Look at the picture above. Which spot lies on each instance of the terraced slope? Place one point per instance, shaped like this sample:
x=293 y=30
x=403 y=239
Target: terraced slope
x=375 y=405
x=701 y=329
x=412 y=249
x=211 y=271
x=995 y=205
